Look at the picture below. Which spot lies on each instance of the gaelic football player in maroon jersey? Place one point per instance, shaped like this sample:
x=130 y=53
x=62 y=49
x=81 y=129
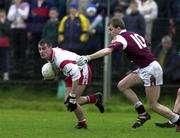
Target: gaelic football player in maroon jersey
x=149 y=73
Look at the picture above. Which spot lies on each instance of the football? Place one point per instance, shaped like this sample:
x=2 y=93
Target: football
x=48 y=72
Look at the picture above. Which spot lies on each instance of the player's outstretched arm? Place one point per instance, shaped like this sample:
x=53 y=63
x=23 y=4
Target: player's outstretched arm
x=101 y=53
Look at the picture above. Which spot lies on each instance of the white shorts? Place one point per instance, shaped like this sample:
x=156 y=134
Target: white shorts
x=152 y=75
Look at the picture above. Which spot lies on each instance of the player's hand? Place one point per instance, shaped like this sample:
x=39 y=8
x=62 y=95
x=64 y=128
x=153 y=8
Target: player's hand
x=71 y=102
x=82 y=60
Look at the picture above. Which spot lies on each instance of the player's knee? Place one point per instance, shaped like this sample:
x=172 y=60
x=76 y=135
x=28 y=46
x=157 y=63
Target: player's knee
x=122 y=86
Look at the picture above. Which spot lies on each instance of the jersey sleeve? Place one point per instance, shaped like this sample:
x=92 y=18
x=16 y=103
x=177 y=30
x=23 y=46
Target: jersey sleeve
x=116 y=46
x=118 y=43
x=72 y=70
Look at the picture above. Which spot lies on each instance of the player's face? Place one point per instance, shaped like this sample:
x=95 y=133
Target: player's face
x=113 y=31
x=45 y=51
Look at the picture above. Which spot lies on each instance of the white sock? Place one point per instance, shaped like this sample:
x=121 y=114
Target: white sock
x=137 y=104
x=175 y=118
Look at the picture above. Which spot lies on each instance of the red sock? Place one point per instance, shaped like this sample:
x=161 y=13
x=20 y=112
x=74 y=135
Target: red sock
x=91 y=98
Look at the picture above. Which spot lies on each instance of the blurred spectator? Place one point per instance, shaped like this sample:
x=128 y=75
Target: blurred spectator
x=96 y=35
x=18 y=14
x=149 y=9
x=96 y=29
x=135 y=21
x=38 y=15
x=61 y=6
x=4 y=44
x=118 y=12
x=174 y=15
x=168 y=58
x=50 y=29
x=103 y=4
x=73 y=30
x=82 y=5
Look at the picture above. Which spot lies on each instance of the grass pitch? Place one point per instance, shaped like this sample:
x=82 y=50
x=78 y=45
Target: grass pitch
x=29 y=113
x=54 y=124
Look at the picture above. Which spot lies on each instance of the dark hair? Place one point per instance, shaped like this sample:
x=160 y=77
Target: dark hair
x=118 y=9
x=2 y=11
x=117 y=22
x=53 y=9
x=45 y=41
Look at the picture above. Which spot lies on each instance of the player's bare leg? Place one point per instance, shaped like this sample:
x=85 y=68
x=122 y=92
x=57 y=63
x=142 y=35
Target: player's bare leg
x=176 y=109
x=177 y=103
x=153 y=94
x=78 y=112
x=125 y=86
x=96 y=99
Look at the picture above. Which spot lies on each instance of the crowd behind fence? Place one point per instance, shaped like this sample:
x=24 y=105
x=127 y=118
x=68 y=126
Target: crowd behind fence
x=78 y=26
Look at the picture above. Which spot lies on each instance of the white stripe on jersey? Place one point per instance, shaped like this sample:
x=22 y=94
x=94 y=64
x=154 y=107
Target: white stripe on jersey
x=122 y=40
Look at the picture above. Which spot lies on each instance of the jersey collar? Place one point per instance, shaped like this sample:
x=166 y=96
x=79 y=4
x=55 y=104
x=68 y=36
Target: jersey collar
x=122 y=31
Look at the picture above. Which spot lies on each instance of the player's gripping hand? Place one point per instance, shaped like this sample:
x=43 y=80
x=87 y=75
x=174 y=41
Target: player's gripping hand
x=71 y=102
x=82 y=60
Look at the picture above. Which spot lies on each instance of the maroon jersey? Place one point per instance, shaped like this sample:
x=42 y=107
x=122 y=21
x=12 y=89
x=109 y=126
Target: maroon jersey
x=135 y=46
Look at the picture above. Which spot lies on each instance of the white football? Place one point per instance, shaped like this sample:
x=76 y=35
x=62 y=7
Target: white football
x=47 y=71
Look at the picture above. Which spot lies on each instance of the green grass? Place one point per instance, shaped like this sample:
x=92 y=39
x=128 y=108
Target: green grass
x=54 y=124
x=37 y=113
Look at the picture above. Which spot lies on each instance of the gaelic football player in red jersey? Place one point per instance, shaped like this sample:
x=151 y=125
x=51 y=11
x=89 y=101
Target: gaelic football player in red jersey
x=78 y=77
x=149 y=72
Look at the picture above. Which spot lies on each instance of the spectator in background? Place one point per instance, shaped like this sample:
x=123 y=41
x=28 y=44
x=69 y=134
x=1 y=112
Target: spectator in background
x=50 y=29
x=73 y=30
x=174 y=16
x=118 y=12
x=96 y=35
x=38 y=15
x=168 y=59
x=149 y=9
x=96 y=29
x=103 y=4
x=18 y=14
x=83 y=5
x=4 y=44
x=135 y=20
x=61 y=6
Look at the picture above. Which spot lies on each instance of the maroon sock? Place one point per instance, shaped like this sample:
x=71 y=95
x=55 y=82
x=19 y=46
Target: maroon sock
x=91 y=98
